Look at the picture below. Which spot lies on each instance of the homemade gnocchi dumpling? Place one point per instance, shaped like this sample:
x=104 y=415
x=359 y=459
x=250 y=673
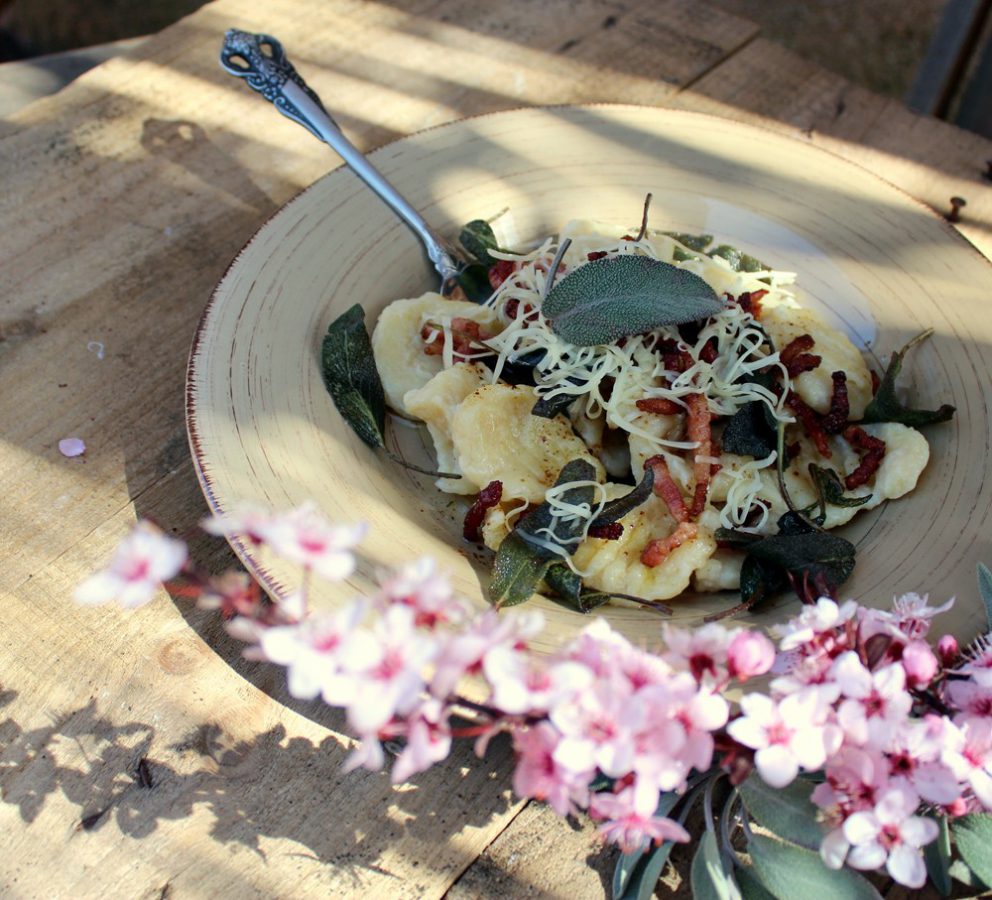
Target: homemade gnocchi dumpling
x=398 y=347
x=496 y=437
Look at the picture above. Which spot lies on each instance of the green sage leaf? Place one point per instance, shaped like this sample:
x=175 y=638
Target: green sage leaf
x=517 y=573
x=749 y=431
x=549 y=407
x=886 y=407
x=351 y=377
x=973 y=837
x=474 y=282
x=707 y=876
x=478 y=239
x=739 y=261
x=566 y=534
x=697 y=242
x=610 y=298
x=751 y=885
x=960 y=872
x=828 y=485
x=937 y=855
x=788 y=872
x=617 y=509
x=817 y=555
x=786 y=812
x=985 y=590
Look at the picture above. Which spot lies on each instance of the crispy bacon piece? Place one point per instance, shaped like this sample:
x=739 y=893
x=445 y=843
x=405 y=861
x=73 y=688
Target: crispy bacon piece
x=660 y=405
x=500 y=271
x=675 y=359
x=487 y=498
x=709 y=352
x=656 y=552
x=698 y=428
x=835 y=421
x=666 y=488
x=513 y=308
x=750 y=302
x=464 y=332
x=610 y=532
x=795 y=358
x=810 y=422
x=876 y=380
x=872 y=451
x=596 y=254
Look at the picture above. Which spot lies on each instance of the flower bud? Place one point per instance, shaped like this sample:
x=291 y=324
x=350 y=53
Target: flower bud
x=920 y=664
x=957 y=807
x=750 y=653
x=948 y=649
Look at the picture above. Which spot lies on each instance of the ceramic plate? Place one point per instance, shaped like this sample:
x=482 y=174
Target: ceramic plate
x=875 y=262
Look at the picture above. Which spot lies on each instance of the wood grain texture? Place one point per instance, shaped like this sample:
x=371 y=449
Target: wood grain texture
x=125 y=198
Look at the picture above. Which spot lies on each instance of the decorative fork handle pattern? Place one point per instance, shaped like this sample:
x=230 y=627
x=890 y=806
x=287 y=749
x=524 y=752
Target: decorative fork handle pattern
x=261 y=61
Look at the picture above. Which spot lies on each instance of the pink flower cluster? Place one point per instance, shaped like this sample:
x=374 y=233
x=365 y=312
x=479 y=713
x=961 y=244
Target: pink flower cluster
x=895 y=727
x=902 y=732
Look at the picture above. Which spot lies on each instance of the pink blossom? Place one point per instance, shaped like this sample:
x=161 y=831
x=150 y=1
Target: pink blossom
x=749 y=654
x=979 y=661
x=629 y=826
x=306 y=537
x=421 y=587
x=244 y=519
x=538 y=775
x=890 y=835
x=142 y=561
x=368 y=754
x=787 y=734
x=428 y=740
x=524 y=683
x=697 y=710
x=816 y=621
x=72 y=447
x=912 y=614
x=914 y=757
x=920 y=664
x=598 y=726
x=854 y=779
x=877 y=702
x=599 y=648
x=388 y=672
x=970 y=759
x=947 y=648
x=970 y=697
x=700 y=651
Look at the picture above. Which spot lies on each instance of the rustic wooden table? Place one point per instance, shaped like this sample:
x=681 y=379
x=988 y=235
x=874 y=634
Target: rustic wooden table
x=139 y=757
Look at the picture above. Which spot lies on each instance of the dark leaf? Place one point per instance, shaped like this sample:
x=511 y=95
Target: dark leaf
x=938 y=858
x=565 y=583
x=794 y=523
x=609 y=298
x=788 y=872
x=351 y=376
x=985 y=590
x=517 y=572
x=617 y=509
x=786 y=812
x=698 y=242
x=960 y=872
x=474 y=282
x=817 y=556
x=750 y=884
x=478 y=239
x=566 y=534
x=829 y=486
x=739 y=261
x=748 y=433
x=973 y=837
x=758 y=581
x=549 y=407
x=736 y=540
x=707 y=876
x=886 y=407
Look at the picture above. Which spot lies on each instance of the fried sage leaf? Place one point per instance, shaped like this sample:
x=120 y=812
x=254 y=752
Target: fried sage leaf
x=739 y=261
x=568 y=590
x=697 y=242
x=615 y=510
x=478 y=239
x=351 y=377
x=566 y=534
x=829 y=486
x=886 y=407
x=610 y=298
x=517 y=573
x=474 y=282
x=751 y=431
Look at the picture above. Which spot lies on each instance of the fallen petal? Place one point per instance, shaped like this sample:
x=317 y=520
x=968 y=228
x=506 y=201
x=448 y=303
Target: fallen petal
x=72 y=447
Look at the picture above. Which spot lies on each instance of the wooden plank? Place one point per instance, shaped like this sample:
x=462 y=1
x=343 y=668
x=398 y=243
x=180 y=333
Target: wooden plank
x=126 y=195
x=767 y=84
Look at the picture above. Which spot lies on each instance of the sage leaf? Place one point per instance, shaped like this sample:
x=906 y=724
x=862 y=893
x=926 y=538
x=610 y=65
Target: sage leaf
x=786 y=812
x=549 y=407
x=825 y=559
x=886 y=407
x=517 y=573
x=828 y=485
x=615 y=510
x=985 y=589
x=739 y=261
x=351 y=377
x=610 y=298
x=697 y=242
x=478 y=239
x=973 y=837
x=707 y=877
x=566 y=534
x=750 y=884
x=474 y=282
x=960 y=872
x=568 y=590
x=749 y=432
x=789 y=871
x=937 y=855
x=637 y=873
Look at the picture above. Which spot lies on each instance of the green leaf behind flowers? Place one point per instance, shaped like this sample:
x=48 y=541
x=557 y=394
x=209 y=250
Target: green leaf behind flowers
x=610 y=298
x=886 y=407
x=786 y=812
x=707 y=877
x=351 y=377
x=973 y=837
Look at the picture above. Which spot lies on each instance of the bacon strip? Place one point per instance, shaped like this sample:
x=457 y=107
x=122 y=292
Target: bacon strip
x=660 y=405
x=835 y=421
x=488 y=497
x=795 y=358
x=656 y=552
x=873 y=452
x=709 y=352
x=610 y=532
x=699 y=430
x=501 y=270
x=464 y=332
x=596 y=254
x=666 y=488
x=750 y=302
x=810 y=422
